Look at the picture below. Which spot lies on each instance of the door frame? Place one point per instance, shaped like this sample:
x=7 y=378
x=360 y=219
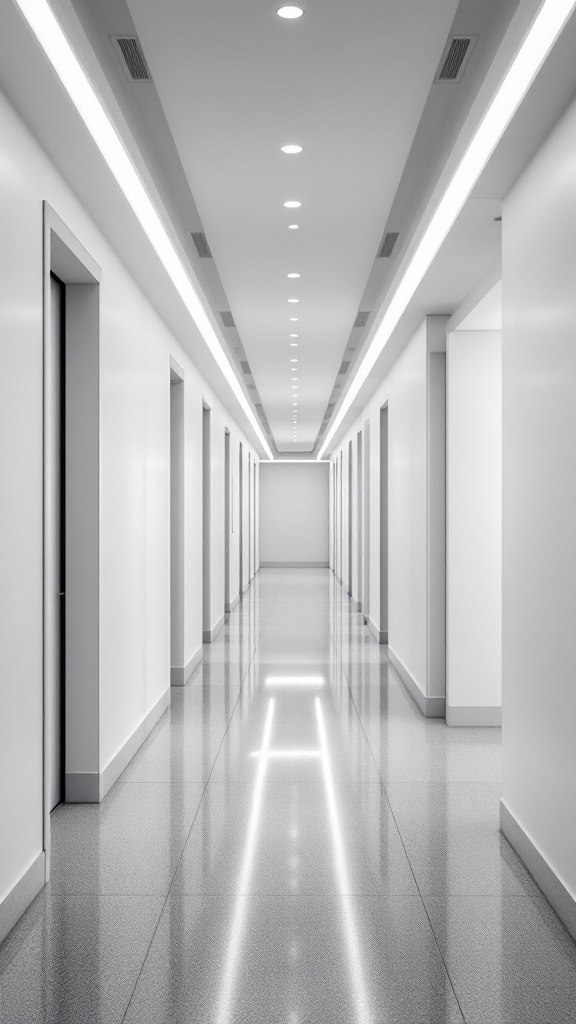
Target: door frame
x=66 y=258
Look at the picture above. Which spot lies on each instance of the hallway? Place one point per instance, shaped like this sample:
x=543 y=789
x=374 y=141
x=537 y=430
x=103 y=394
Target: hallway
x=293 y=843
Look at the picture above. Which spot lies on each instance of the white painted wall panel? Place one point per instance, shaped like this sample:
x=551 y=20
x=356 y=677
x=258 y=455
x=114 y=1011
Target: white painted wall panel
x=474 y=520
x=539 y=500
x=294 y=512
x=135 y=349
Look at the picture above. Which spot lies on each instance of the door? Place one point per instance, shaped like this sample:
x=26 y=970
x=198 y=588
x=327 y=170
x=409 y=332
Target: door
x=55 y=544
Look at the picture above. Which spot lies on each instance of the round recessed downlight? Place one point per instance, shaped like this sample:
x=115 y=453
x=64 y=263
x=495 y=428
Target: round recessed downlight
x=293 y=300
x=293 y=319
x=293 y=360
x=290 y=12
x=291 y=149
x=293 y=227
x=293 y=275
x=293 y=335
x=292 y=204
x=293 y=344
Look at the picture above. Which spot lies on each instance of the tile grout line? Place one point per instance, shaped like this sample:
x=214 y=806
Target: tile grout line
x=383 y=789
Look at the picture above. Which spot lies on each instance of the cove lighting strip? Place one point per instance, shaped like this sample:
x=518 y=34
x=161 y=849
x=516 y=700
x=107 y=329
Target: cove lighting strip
x=545 y=29
x=55 y=45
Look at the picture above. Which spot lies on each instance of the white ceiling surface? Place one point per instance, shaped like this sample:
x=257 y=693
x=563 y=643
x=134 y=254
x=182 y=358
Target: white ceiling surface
x=349 y=83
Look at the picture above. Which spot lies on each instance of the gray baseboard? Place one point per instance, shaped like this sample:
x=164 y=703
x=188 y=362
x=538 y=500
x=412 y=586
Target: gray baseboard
x=431 y=707
x=209 y=635
x=380 y=635
x=473 y=716
x=230 y=607
x=180 y=674
x=546 y=879
x=21 y=895
x=293 y=565
x=92 y=787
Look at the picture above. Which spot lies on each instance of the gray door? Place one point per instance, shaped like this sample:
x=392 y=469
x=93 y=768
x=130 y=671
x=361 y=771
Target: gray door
x=55 y=545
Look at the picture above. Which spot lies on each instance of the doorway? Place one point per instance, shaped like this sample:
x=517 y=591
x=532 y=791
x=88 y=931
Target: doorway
x=366 y=518
x=241 y=519
x=359 y=520
x=71 y=502
x=384 y=525
x=206 y=524
x=227 y=490
x=55 y=505
x=350 y=515
x=177 y=668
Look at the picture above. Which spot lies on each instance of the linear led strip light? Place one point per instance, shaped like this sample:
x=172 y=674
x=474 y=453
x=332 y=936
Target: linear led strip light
x=545 y=29
x=49 y=34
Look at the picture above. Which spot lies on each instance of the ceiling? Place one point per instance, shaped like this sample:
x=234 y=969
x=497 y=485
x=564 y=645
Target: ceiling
x=346 y=82
x=354 y=85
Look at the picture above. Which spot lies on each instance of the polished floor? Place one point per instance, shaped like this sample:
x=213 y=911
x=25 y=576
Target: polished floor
x=293 y=844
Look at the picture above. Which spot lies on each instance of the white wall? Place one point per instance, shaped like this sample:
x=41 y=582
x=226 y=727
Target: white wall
x=539 y=502
x=135 y=349
x=294 y=513
x=406 y=391
x=474 y=528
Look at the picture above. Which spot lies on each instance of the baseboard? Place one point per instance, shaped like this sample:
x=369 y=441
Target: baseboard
x=209 y=635
x=230 y=607
x=294 y=565
x=473 y=716
x=180 y=674
x=355 y=605
x=21 y=895
x=431 y=707
x=545 y=877
x=92 y=787
x=380 y=635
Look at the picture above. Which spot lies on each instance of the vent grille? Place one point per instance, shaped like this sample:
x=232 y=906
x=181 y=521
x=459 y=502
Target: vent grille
x=344 y=367
x=388 y=243
x=455 y=58
x=245 y=366
x=132 y=58
x=227 y=318
x=361 y=318
x=201 y=243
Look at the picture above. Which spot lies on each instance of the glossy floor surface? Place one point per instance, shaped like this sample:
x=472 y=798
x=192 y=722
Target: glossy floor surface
x=293 y=843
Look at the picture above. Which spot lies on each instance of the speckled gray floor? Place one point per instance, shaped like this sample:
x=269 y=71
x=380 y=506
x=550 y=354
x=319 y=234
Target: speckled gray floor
x=293 y=844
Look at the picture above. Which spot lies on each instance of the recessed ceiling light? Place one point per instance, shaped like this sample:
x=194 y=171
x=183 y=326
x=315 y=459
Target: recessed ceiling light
x=293 y=300
x=293 y=360
x=293 y=344
x=293 y=275
x=293 y=335
x=291 y=149
x=292 y=204
x=290 y=12
x=293 y=227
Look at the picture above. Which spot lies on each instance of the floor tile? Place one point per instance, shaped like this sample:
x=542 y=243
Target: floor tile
x=294 y=959
x=453 y=840
x=510 y=959
x=77 y=959
x=306 y=839
x=130 y=843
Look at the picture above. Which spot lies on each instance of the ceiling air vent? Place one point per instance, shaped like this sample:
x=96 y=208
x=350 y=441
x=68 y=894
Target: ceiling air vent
x=455 y=58
x=388 y=242
x=227 y=318
x=344 y=367
x=131 y=58
x=201 y=243
x=245 y=366
x=361 y=318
